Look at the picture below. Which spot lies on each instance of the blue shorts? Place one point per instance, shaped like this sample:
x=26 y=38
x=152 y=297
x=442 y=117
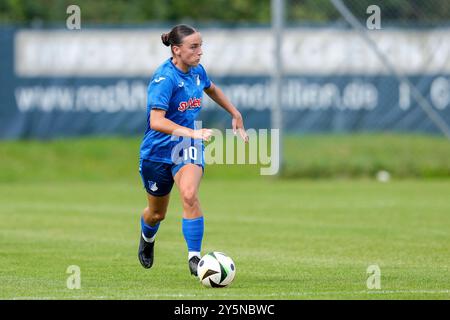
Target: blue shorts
x=157 y=177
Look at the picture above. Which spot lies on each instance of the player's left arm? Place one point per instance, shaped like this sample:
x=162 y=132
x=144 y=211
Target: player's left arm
x=215 y=93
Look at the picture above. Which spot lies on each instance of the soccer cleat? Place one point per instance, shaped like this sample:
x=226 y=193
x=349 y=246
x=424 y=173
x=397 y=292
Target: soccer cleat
x=193 y=264
x=145 y=253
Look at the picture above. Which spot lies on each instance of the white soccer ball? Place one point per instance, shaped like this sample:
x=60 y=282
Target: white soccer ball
x=383 y=176
x=216 y=270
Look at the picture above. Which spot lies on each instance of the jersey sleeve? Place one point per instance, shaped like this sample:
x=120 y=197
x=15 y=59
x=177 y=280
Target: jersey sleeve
x=205 y=77
x=159 y=92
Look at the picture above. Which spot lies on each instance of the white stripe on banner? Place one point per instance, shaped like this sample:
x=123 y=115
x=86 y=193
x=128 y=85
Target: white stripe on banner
x=314 y=51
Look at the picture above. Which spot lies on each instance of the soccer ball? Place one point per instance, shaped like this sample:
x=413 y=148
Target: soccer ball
x=216 y=270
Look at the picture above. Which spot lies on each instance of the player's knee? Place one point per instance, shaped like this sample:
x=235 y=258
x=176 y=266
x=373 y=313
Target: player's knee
x=153 y=216
x=158 y=216
x=189 y=196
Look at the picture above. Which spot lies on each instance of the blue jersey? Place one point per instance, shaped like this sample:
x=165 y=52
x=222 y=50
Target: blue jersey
x=180 y=95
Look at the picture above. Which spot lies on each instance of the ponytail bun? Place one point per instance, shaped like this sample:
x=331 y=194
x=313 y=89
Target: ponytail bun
x=165 y=39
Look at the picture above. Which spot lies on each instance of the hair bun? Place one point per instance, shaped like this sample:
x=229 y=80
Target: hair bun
x=165 y=39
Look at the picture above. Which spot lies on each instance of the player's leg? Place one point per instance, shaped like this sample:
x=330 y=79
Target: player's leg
x=158 y=182
x=188 y=180
x=153 y=214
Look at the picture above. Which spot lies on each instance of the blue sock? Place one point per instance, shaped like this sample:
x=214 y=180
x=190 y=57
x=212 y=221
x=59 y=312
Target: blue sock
x=148 y=231
x=193 y=234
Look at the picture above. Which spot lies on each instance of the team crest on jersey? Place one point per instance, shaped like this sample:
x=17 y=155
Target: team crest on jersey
x=190 y=104
x=152 y=185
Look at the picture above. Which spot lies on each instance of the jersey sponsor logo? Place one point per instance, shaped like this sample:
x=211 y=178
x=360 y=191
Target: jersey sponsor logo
x=159 y=79
x=190 y=104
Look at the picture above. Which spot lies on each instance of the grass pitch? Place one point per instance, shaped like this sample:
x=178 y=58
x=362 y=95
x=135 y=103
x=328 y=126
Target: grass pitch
x=290 y=239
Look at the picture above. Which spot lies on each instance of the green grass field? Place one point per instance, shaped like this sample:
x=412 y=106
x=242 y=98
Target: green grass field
x=289 y=238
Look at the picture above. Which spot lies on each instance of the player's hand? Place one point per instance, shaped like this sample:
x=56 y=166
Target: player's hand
x=238 y=125
x=203 y=134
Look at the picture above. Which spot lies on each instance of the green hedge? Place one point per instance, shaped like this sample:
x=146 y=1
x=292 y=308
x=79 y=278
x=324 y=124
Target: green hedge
x=314 y=156
x=212 y=11
x=364 y=155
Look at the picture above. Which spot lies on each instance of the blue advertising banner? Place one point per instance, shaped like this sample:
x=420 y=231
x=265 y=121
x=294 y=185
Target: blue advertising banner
x=46 y=101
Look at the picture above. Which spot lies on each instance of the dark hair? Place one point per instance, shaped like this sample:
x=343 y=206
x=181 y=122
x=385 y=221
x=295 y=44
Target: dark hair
x=177 y=34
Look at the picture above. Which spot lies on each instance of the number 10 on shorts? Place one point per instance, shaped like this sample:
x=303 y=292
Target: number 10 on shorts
x=186 y=151
x=190 y=153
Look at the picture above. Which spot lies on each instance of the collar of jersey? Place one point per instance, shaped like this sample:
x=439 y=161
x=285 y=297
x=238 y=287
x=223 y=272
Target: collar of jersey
x=181 y=73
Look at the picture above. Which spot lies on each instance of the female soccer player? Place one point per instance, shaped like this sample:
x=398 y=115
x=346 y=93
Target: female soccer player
x=174 y=101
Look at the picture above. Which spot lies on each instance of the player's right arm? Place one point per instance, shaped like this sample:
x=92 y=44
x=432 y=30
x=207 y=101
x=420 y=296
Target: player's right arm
x=159 y=122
